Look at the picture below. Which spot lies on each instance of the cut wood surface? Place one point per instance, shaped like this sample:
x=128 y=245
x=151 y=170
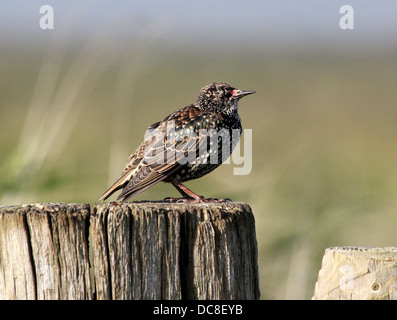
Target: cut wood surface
x=363 y=273
x=147 y=250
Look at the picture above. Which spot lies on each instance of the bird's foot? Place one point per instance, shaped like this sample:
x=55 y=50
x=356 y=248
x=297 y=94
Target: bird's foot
x=215 y=200
x=179 y=200
x=116 y=203
x=194 y=200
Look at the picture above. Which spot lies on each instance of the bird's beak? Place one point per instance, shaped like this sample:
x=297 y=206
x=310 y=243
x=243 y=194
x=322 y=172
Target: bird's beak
x=241 y=93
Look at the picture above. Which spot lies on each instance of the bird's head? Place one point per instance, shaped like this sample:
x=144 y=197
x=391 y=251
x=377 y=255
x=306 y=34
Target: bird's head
x=220 y=97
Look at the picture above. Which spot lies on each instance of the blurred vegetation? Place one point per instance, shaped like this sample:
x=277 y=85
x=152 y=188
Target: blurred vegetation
x=324 y=139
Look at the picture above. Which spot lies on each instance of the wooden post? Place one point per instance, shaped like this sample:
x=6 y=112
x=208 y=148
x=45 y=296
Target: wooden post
x=150 y=250
x=158 y=250
x=44 y=251
x=363 y=273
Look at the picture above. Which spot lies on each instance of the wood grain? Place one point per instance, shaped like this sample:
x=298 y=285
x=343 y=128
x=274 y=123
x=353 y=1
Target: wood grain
x=44 y=249
x=147 y=250
x=174 y=251
x=357 y=273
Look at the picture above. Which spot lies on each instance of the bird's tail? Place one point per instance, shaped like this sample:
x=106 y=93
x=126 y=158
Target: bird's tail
x=119 y=184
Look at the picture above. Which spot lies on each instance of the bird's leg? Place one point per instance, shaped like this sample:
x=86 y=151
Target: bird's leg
x=185 y=191
x=190 y=196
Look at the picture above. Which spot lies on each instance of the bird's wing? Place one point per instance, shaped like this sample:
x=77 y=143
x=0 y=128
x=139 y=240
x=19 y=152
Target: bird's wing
x=129 y=170
x=171 y=144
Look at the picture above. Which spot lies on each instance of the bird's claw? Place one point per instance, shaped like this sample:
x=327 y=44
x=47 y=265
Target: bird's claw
x=215 y=200
x=193 y=200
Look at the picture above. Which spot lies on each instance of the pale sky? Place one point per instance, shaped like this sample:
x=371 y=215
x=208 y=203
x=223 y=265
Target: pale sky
x=270 y=23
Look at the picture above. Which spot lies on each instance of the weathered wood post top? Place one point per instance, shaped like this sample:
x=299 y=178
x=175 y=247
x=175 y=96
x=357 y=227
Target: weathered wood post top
x=357 y=273
x=140 y=250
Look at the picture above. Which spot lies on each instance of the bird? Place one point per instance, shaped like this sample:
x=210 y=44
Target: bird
x=187 y=144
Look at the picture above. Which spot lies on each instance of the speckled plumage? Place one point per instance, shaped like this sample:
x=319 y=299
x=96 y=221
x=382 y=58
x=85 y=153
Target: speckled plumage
x=186 y=145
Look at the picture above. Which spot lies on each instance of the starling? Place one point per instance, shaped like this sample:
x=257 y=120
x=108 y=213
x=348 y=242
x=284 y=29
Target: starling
x=186 y=145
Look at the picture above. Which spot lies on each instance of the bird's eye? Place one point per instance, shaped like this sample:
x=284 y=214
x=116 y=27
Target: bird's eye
x=229 y=93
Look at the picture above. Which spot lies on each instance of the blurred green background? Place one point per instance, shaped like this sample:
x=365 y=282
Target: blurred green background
x=76 y=101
